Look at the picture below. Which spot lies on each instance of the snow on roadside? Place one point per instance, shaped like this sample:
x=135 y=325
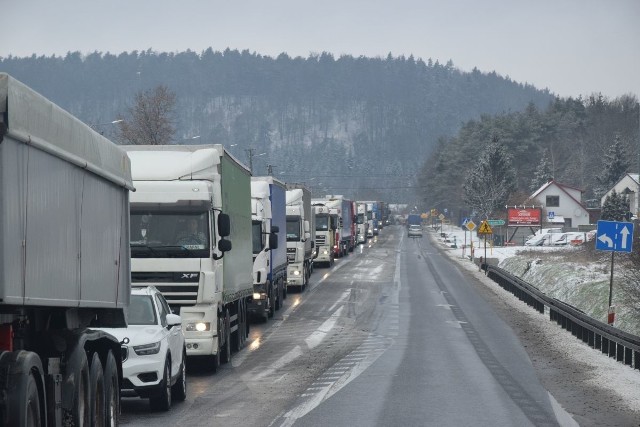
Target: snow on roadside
x=604 y=371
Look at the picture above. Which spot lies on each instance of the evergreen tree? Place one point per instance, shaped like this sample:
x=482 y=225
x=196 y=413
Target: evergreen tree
x=615 y=207
x=490 y=183
x=543 y=172
x=615 y=165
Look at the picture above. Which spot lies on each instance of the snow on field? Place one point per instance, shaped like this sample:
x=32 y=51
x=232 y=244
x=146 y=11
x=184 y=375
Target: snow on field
x=556 y=271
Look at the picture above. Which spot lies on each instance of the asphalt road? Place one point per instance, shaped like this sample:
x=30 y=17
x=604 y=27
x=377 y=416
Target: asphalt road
x=393 y=334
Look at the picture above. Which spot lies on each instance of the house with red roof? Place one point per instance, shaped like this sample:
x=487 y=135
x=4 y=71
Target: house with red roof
x=563 y=205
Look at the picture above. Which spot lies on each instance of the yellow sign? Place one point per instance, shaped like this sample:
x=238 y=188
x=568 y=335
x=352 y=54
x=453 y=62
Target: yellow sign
x=424 y=215
x=471 y=225
x=485 y=228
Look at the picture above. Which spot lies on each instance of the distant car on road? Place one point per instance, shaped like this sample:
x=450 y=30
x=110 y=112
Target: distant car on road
x=153 y=350
x=415 y=230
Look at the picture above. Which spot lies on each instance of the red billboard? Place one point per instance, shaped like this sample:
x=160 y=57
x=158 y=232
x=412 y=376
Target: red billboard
x=523 y=217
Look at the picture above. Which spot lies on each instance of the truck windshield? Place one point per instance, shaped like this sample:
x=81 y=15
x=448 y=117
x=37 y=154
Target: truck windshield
x=141 y=311
x=361 y=218
x=322 y=223
x=293 y=229
x=169 y=234
x=258 y=237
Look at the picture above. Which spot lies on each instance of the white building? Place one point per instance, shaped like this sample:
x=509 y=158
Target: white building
x=563 y=205
x=628 y=185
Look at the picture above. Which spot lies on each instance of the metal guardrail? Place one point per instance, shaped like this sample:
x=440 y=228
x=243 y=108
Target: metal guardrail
x=600 y=336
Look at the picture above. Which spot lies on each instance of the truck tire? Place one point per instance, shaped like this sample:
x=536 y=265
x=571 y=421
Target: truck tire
x=80 y=411
x=226 y=350
x=162 y=400
x=179 y=389
x=111 y=391
x=272 y=301
x=96 y=392
x=24 y=405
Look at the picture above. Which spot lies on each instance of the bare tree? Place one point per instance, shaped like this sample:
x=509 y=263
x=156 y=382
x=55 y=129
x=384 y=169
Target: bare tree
x=151 y=118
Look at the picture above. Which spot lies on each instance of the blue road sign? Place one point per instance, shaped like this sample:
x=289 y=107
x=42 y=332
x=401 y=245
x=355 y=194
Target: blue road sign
x=465 y=221
x=551 y=214
x=614 y=236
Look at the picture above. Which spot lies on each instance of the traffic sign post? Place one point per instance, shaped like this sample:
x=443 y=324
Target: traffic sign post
x=485 y=229
x=614 y=236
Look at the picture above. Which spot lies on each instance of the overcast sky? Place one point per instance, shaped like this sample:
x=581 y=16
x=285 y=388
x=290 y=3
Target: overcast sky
x=572 y=47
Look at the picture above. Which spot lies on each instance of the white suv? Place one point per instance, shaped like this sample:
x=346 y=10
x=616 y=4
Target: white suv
x=153 y=350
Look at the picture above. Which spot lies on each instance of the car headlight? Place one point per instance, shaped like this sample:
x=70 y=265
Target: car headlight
x=198 y=326
x=147 y=349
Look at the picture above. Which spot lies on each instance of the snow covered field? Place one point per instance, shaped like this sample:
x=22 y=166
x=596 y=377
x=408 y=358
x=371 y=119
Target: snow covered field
x=563 y=272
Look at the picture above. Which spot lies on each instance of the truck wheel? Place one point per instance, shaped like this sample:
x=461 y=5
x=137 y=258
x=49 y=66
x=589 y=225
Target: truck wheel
x=272 y=302
x=162 y=401
x=278 y=293
x=111 y=391
x=216 y=360
x=24 y=405
x=79 y=413
x=179 y=389
x=96 y=391
x=226 y=350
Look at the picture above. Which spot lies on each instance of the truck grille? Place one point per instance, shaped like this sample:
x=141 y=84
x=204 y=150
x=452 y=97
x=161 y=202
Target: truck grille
x=321 y=240
x=178 y=288
x=291 y=255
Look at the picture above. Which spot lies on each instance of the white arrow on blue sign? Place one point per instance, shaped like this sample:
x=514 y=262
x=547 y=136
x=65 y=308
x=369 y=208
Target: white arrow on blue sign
x=614 y=236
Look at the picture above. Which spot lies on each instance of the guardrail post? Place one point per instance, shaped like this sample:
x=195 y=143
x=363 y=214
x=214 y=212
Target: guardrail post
x=628 y=356
x=619 y=352
x=636 y=359
x=605 y=345
x=598 y=343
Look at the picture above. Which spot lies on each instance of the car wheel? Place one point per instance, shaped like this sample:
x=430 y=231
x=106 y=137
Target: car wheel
x=162 y=401
x=179 y=389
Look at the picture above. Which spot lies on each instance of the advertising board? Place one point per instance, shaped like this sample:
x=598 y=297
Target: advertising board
x=523 y=217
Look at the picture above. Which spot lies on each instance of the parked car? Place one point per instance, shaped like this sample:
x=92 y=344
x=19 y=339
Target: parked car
x=545 y=231
x=153 y=350
x=415 y=230
x=573 y=237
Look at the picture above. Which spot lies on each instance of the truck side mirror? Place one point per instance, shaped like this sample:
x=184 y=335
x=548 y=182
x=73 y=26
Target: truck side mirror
x=224 y=245
x=275 y=229
x=224 y=225
x=306 y=227
x=273 y=240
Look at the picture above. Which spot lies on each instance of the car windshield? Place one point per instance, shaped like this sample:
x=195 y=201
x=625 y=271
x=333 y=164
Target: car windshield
x=160 y=233
x=256 y=233
x=141 y=311
x=293 y=228
x=322 y=222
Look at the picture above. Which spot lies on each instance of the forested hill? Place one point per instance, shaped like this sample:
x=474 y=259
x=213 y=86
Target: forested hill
x=360 y=126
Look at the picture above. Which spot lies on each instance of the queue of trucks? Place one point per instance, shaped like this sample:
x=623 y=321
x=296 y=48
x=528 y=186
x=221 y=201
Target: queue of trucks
x=83 y=220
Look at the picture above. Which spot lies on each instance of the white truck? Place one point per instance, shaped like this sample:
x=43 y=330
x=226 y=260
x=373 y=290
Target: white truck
x=300 y=232
x=64 y=264
x=188 y=200
x=269 y=222
x=326 y=228
x=361 y=222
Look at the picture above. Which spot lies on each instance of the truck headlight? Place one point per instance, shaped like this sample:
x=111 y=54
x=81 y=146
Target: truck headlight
x=147 y=349
x=198 y=326
x=296 y=273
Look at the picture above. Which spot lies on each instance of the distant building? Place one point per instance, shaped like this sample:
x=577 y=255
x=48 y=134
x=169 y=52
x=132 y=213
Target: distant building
x=628 y=185
x=563 y=205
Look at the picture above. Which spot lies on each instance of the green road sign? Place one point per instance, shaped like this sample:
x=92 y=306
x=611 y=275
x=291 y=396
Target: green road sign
x=495 y=222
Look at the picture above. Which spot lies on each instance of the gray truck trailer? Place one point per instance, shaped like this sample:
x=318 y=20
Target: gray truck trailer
x=64 y=264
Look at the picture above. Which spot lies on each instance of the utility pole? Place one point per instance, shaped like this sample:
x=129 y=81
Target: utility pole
x=250 y=152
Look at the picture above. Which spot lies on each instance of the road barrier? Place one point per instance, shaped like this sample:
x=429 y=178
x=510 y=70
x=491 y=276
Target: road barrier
x=623 y=347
